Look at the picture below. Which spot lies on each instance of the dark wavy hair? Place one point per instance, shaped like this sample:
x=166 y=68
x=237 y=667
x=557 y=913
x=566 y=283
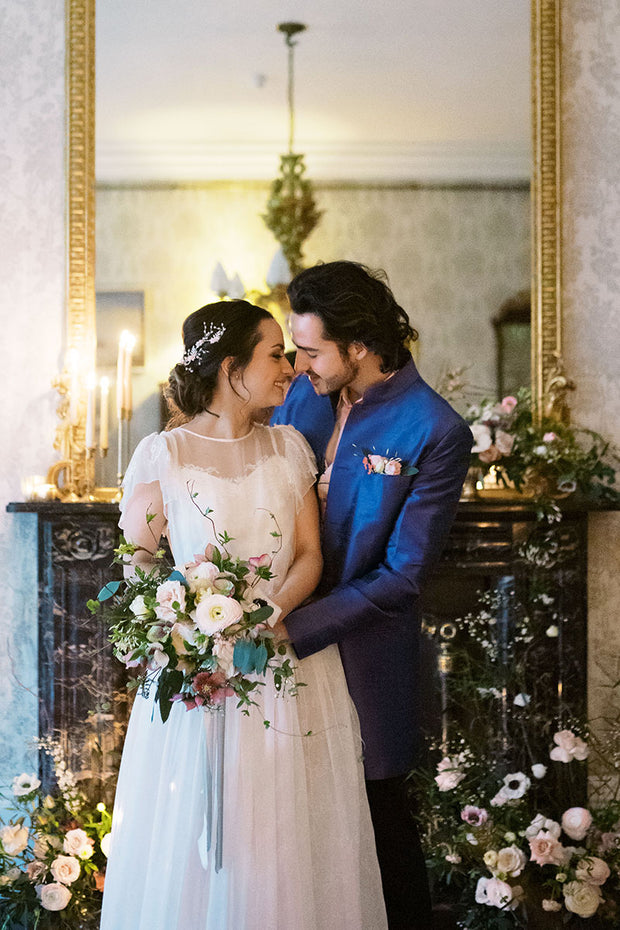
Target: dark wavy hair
x=355 y=304
x=190 y=388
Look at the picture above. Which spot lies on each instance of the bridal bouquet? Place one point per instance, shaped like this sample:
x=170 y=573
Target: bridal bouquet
x=53 y=853
x=197 y=631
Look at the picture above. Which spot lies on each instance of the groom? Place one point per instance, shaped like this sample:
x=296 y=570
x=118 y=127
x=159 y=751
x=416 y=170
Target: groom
x=392 y=458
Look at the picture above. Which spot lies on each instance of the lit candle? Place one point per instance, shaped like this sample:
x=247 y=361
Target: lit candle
x=120 y=375
x=104 y=386
x=89 y=438
x=130 y=342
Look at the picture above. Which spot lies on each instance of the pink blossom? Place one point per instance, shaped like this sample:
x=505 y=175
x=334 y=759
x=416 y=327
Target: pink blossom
x=377 y=463
x=576 y=822
x=549 y=437
x=568 y=746
x=508 y=403
x=393 y=467
x=474 y=816
x=206 y=556
x=492 y=454
x=260 y=561
x=211 y=687
x=169 y=593
x=546 y=849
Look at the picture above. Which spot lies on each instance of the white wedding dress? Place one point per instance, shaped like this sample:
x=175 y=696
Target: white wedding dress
x=298 y=843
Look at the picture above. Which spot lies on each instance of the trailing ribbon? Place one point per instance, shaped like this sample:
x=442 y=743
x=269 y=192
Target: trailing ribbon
x=214 y=785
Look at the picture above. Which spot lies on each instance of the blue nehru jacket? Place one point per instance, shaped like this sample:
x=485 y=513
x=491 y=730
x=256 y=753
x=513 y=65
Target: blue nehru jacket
x=381 y=535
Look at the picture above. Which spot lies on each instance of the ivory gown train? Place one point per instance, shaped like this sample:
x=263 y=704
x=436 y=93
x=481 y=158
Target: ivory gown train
x=298 y=850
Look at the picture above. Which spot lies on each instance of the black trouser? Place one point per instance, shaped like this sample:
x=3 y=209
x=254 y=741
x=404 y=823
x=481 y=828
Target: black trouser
x=403 y=870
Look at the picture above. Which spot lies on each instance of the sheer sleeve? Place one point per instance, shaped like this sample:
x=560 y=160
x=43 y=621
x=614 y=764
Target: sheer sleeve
x=145 y=477
x=300 y=459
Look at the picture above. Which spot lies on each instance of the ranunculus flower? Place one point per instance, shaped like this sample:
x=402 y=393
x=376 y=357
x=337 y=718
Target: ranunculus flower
x=167 y=594
x=65 y=869
x=14 y=839
x=54 y=897
x=482 y=437
x=568 y=746
x=592 y=870
x=449 y=774
x=549 y=905
x=546 y=849
x=576 y=822
x=510 y=861
x=214 y=612
x=474 y=816
x=539 y=770
x=76 y=842
x=24 y=784
x=201 y=575
x=493 y=892
x=581 y=898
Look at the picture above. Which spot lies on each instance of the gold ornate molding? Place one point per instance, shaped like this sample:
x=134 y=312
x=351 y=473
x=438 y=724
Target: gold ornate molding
x=80 y=90
x=546 y=198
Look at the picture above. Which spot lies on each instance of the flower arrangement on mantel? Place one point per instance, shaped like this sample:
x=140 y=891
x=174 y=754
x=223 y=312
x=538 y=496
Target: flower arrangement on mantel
x=519 y=801
x=53 y=853
x=544 y=458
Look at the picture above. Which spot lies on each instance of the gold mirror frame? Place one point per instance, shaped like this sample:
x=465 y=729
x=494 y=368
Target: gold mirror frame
x=546 y=201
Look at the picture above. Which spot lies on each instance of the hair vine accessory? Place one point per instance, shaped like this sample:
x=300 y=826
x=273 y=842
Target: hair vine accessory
x=194 y=356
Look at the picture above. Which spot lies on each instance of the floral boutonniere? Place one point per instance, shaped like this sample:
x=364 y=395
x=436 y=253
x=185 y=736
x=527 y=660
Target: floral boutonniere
x=387 y=464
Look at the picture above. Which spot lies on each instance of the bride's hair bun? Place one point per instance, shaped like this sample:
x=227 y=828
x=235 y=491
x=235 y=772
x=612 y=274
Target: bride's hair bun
x=225 y=329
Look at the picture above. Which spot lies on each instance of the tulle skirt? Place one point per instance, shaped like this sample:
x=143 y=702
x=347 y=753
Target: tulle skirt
x=298 y=849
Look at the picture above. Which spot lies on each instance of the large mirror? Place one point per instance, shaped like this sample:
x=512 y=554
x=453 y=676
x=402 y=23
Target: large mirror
x=161 y=238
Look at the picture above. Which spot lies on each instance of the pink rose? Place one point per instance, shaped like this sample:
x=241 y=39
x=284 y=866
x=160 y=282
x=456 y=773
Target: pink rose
x=392 y=467
x=54 y=897
x=546 y=849
x=576 y=822
x=592 y=870
x=549 y=437
x=508 y=403
x=504 y=441
x=169 y=593
x=568 y=747
x=492 y=454
x=201 y=576
x=377 y=463
x=65 y=869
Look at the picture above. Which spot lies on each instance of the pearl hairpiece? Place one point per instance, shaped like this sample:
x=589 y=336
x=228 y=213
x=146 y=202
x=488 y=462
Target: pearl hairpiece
x=212 y=334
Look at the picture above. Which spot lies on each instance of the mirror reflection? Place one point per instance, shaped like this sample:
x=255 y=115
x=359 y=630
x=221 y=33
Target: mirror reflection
x=415 y=127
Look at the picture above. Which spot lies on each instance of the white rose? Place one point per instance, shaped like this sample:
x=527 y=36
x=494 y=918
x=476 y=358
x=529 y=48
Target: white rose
x=25 y=784
x=510 y=861
x=224 y=650
x=539 y=770
x=493 y=892
x=576 y=822
x=482 y=437
x=549 y=905
x=54 y=897
x=105 y=844
x=215 y=612
x=14 y=839
x=201 y=576
x=167 y=594
x=76 y=842
x=568 y=747
x=582 y=898
x=65 y=869
x=593 y=871
x=138 y=607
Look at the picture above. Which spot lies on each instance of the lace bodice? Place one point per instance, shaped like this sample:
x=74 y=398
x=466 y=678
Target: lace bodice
x=251 y=488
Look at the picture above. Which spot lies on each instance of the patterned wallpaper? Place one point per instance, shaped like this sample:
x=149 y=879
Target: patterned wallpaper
x=452 y=257
x=31 y=319
x=591 y=253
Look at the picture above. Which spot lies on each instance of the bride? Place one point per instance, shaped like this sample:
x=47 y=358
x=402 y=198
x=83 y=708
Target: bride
x=298 y=843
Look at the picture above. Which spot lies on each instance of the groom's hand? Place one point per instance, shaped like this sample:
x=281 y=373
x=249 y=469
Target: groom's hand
x=280 y=633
